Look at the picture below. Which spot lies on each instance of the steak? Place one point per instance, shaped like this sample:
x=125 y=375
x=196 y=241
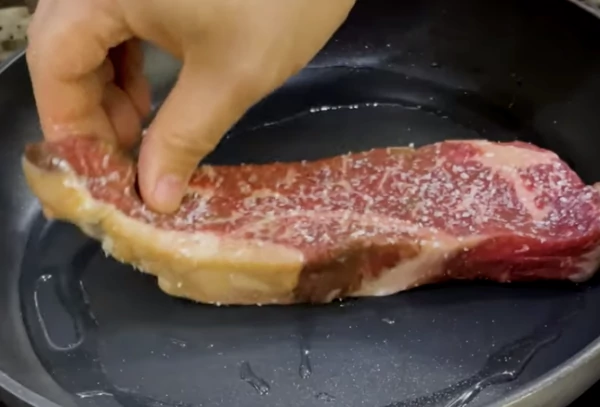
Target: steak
x=371 y=223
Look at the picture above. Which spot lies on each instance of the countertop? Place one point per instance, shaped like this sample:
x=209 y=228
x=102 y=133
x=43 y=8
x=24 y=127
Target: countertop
x=13 y=28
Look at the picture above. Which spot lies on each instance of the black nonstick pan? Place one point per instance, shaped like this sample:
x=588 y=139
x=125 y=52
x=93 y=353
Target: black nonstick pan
x=77 y=328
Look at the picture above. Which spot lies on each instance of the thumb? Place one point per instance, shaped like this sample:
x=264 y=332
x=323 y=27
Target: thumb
x=199 y=110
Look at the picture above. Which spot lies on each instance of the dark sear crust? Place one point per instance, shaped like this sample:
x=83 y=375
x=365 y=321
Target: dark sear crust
x=342 y=273
x=368 y=223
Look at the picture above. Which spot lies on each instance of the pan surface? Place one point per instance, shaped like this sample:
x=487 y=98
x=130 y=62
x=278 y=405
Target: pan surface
x=78 y=328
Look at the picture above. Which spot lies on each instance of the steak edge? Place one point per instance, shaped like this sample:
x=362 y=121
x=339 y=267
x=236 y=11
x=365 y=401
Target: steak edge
x=372 y=223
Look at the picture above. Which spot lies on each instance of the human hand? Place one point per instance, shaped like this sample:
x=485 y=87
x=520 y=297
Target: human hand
x=86 y=67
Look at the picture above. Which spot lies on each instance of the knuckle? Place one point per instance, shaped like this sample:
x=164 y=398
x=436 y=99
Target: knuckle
x=251 y=79
x=254 y=79
x=188 y=148
x=63 y=55
x=250 y=71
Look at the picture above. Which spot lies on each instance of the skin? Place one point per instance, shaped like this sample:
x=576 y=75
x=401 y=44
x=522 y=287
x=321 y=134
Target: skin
x=86 y=64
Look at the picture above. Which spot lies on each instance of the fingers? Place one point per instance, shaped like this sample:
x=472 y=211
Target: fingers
x=67 y=106
x=128 y=59
x=199 y=110
x=68 y=44
x=127 y=93
x=122 y=115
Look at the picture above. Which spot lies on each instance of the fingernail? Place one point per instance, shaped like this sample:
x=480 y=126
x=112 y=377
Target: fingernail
x=167 y=193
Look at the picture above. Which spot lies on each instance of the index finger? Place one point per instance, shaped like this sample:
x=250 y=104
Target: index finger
x=68 y=44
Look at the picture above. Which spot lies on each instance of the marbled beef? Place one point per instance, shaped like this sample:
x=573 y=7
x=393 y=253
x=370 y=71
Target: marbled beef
x=364 y=224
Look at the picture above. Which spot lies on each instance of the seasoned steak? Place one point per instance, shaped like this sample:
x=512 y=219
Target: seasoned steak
x=371 y=223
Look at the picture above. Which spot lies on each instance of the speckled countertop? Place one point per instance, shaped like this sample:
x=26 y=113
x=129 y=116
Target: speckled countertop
x=13 y=28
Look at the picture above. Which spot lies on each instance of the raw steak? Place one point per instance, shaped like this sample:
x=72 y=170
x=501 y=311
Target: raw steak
x=366 y=224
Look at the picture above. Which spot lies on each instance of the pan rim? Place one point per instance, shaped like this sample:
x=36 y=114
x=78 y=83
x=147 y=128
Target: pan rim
x=587 y=7
x=7 y=383
x=528 y=393
x=539 y=388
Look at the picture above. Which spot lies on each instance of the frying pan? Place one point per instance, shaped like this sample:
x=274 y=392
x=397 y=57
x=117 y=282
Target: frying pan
x=78 y=328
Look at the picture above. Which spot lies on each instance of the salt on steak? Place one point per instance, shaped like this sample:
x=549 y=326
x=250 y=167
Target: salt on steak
x=371 y=223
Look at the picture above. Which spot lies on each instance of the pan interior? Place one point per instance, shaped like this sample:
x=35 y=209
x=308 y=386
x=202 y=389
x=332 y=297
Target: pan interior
x=424 y=72
x=108 y=335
